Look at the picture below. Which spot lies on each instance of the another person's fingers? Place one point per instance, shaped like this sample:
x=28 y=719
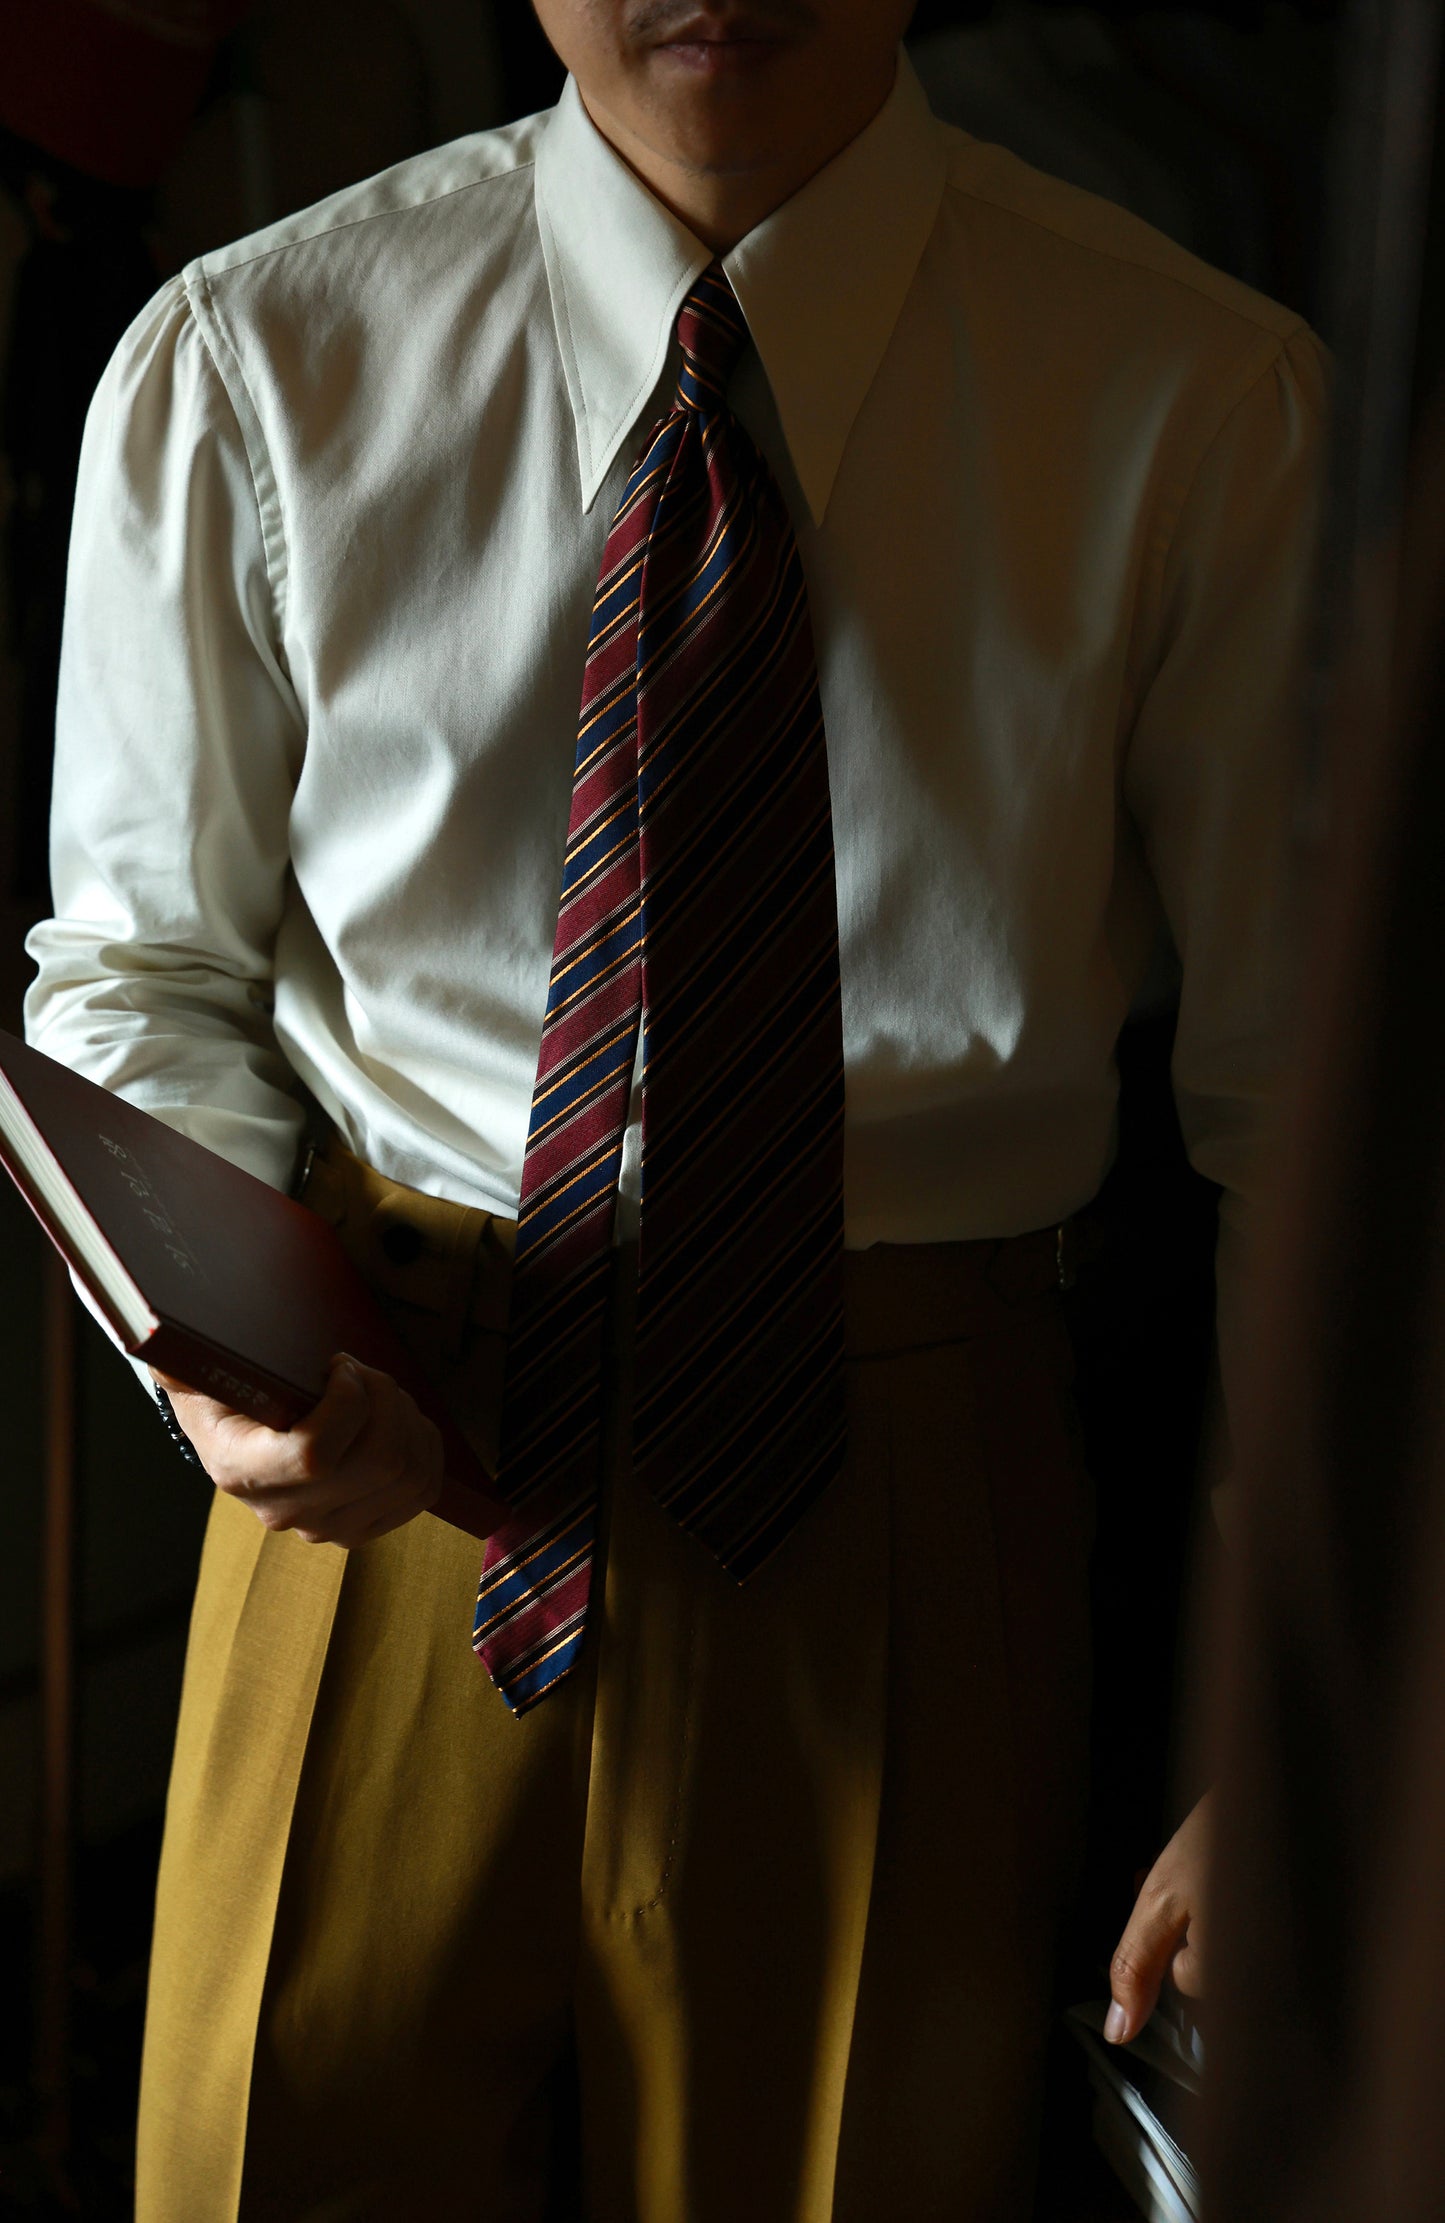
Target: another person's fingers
x=1187 y=1966
x=1164 y=1932
x=1151 y=1939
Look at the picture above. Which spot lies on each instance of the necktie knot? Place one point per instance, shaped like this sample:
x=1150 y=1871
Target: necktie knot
x=711 y=334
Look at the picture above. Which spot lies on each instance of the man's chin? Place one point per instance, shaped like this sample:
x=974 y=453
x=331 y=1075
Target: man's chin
x=717 y=127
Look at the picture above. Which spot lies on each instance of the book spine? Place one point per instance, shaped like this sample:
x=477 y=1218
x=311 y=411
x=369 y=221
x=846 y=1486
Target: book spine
x=192 y=1360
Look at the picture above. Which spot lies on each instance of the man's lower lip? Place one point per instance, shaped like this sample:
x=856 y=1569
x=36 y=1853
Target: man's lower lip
x=717 y=57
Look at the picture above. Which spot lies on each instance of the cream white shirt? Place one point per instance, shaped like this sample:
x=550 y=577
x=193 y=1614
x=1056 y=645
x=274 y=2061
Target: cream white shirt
x=344 y=490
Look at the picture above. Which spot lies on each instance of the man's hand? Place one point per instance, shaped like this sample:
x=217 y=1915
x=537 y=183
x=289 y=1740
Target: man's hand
x=363 y=1460
x=1164 y=1932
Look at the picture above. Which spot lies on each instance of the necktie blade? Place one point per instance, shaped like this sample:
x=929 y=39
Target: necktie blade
x=698 y=903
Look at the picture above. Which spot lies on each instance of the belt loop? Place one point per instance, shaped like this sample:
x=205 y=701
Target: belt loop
x=461 y=1275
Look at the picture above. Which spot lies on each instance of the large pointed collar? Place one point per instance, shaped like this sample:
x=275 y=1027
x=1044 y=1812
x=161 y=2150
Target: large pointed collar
x=821 y=281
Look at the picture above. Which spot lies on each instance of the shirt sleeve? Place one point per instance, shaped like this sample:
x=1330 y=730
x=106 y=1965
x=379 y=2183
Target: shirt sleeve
x=178 y=746
x=1212 y=779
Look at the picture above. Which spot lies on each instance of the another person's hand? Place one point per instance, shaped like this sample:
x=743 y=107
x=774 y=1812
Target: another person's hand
x=362 y=1461
x=1164 y=1933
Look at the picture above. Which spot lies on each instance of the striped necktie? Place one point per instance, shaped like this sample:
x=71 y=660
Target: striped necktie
x=698 y=901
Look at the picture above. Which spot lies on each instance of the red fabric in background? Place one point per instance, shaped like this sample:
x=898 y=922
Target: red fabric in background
x=108 y=86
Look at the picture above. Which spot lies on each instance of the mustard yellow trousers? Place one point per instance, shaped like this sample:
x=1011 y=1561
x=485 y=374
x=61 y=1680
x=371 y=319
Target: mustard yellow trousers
x=749 y=1922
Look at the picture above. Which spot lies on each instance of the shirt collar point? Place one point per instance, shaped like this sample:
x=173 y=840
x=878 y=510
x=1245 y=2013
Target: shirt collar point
x=619 y=267
x=816 y=484
x=592 y=480
x=822 y=320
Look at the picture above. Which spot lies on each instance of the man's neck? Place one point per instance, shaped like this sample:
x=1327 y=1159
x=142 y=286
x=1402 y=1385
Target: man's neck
x=722 y=207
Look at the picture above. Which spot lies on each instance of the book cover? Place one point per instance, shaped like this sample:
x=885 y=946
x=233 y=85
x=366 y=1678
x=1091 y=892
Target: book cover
x=202 y=1270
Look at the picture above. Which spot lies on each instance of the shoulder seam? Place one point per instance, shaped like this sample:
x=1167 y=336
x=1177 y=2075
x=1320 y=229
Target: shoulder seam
x=1172 y=511
x=370 y=216
x=1127 y=262
x=258 y=459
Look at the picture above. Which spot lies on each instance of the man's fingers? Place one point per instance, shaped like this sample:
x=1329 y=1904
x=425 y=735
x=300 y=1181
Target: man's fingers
x=392 y=1472
x=242 y=1454
x=340 y=1454
x=171 y=1386
x=1150 y=1942
x=279 y=1471
x=194 y=1410
x=321 y=1440
x=418 y=1488
x=370 y=1517
x=362 y=1461
x=414 y=1451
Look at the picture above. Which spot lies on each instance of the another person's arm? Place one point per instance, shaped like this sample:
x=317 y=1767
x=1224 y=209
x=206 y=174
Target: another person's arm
x=1212 y=780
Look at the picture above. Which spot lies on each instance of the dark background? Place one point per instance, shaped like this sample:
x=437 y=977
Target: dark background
x=1217 y=124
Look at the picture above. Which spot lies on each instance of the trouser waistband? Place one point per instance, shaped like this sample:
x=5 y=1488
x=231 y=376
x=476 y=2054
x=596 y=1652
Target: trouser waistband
x=455 y=1260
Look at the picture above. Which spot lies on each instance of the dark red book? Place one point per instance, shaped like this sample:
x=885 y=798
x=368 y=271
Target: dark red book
x=202 y=1270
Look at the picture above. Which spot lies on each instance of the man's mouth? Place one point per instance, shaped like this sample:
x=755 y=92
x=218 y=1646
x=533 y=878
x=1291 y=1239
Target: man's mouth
x=719 y=55
x=714 y=45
